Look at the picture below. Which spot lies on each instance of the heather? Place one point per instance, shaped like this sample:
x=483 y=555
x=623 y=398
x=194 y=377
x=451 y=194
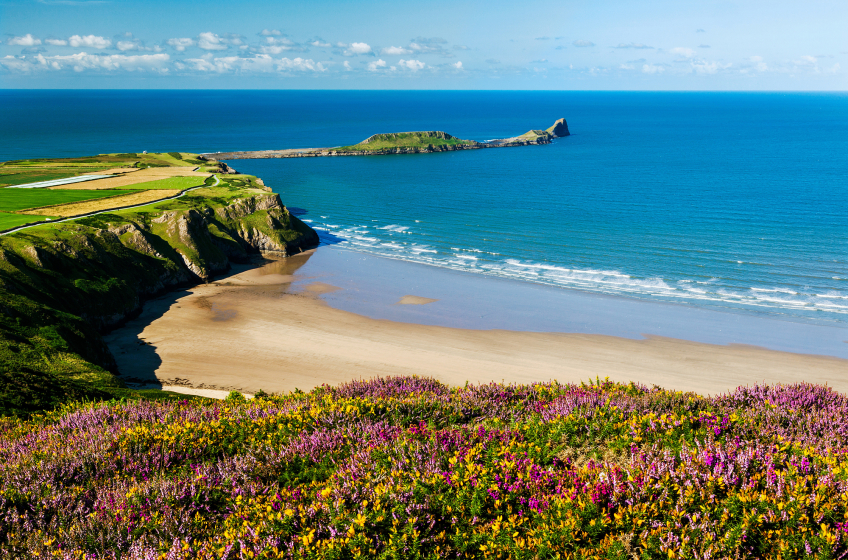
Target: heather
x=410 y=468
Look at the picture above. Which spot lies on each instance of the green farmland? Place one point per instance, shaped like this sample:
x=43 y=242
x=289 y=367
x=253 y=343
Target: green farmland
x=171 y=183
x=23 y=171
x=9 y=221
x=12 y=200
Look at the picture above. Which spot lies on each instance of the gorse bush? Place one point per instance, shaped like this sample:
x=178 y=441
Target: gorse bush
x=409 y=468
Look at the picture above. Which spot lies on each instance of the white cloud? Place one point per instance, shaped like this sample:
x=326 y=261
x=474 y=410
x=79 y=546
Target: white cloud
x=652 y=69
x=209 y=41
x=92 y=41
x=81 y=62
x=347 y=65
x=180 y=44
x=807 y=60
x=583 y=43
x=433 y=45
x=758 y=61
x=56 y=42
x=261 y=63
x=457 y=65
x=26 y=41
x=709 y=67
x=633 y=46
x=321 y=44
x=127 y=45
x=273 y=49
x=357 y=48
x=394 y=51
x=414 y=65
x=376 y=65
x=683 y=51
x=270 y=32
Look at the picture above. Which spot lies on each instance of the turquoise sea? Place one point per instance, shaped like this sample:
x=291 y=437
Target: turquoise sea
x=725 y=201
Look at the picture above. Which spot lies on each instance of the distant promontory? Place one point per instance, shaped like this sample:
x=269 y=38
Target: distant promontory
x=419 y=142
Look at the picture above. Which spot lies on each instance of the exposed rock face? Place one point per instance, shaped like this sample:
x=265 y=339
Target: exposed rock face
x=559 y=129
x=104 y=274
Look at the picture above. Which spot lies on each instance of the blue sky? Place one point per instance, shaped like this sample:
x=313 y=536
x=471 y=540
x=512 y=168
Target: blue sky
x=457 y=44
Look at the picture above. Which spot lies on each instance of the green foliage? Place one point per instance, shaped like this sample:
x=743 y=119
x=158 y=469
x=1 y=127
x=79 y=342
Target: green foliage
x=235 y=396
x=175 y=155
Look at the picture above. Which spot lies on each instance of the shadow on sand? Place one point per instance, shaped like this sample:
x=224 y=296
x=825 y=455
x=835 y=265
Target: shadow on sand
x=138 y=360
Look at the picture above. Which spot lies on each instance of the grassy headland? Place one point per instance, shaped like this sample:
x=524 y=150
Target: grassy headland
x=61 y=284
x=420 y=142
x=409 y=140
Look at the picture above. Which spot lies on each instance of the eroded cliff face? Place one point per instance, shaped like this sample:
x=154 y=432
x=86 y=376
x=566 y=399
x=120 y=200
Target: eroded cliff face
x=101 y=269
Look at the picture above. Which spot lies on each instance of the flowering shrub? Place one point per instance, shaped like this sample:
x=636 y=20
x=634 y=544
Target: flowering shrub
x=409 y=468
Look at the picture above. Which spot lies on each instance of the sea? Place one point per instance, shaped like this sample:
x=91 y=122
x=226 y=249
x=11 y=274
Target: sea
x=731 y=202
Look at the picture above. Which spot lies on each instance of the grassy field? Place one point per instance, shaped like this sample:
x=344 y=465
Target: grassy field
x=406 y=140
x=171 y=183
x=9 y=221
x=23 y=199
x=24 y=171
x=101 y=204
x=15 y=176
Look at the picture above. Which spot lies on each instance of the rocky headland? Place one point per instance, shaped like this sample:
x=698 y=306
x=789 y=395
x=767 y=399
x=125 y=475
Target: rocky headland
x=63 y=284
x=418 y=142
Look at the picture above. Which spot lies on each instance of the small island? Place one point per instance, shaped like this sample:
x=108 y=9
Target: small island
x=418 y=142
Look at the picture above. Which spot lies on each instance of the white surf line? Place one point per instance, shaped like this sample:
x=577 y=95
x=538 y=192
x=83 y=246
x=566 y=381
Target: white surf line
x=7 y=232
x=59 y=182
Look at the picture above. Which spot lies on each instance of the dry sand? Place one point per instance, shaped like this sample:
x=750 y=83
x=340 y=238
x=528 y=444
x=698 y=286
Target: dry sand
x=88 y=206
x=250 y=332
x=135 y=177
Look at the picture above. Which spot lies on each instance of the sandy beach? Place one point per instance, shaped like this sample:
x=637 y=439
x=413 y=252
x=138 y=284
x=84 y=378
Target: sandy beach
x=260 y=329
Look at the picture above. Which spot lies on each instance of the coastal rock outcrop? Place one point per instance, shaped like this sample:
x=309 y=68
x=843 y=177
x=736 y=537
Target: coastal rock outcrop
x=559 y=129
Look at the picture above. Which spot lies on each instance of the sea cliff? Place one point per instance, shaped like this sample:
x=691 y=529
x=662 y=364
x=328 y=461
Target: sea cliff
x=61 y=285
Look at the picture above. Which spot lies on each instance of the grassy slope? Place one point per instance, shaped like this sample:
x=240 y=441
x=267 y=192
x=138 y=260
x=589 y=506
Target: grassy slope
x=405 y=140
x=61 y=283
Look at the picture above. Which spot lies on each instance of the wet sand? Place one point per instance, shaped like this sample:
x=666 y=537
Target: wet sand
x=269 y=328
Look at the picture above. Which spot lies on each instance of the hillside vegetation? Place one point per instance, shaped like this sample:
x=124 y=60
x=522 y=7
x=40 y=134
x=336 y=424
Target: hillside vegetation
x=62 y=284
x=407 y=468
x=392 y=140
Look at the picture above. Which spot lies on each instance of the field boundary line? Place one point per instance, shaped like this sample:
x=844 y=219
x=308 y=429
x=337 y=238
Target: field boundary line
x=108 y=210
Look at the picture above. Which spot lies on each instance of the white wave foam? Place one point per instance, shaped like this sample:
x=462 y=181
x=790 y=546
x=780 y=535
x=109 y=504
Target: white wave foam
x=384 y=241
x=395 y=227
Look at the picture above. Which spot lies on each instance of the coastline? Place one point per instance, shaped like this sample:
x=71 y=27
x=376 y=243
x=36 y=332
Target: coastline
x=278 y=327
